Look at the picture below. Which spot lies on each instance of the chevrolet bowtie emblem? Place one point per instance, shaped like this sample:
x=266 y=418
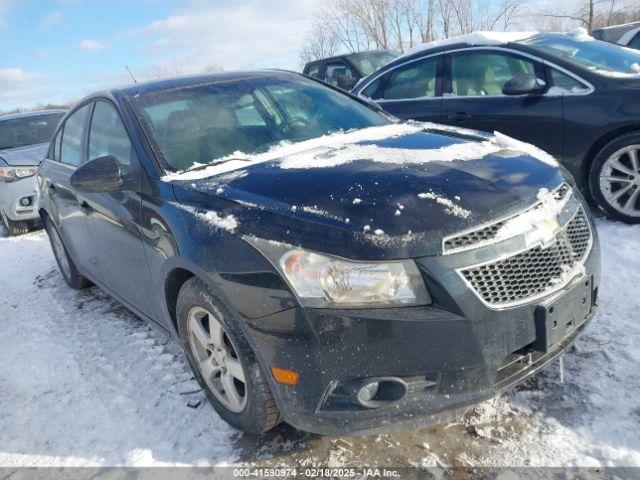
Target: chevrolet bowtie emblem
x=542 y=231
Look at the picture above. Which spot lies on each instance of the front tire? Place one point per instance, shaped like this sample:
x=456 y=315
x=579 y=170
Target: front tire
x=614 y=178
x=68 y=269
x=222 y=360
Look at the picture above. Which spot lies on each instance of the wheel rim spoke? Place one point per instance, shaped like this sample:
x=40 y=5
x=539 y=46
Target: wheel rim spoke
x=234 y=368
x=216 y=335
x=230 y=391
x=629 y=206
x=198 y=331
x=614 y=179
x=633 y=156
x=618 y=193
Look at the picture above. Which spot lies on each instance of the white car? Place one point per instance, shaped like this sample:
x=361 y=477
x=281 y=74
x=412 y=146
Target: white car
x=24 y=140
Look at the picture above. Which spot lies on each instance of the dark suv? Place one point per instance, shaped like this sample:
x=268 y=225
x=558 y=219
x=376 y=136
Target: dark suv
x=318 y=261
x=344 y=71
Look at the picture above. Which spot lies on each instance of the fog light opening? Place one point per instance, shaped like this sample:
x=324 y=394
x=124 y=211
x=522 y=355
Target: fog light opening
x=375 y=393
x=26 y=201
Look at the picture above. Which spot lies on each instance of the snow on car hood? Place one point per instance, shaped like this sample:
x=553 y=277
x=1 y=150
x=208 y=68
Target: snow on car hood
x=26 y=155
x=398 y=194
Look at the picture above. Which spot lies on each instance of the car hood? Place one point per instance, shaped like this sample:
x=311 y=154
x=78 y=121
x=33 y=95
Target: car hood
x=372 y=208
x=24 y=156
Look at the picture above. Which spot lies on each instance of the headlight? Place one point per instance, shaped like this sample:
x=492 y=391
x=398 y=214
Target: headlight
x=325 y=281
x=11 y=174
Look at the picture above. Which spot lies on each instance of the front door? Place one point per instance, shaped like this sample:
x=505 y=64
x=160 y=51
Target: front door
x=114 y=217
x=473 y=98
x=66 y=204
x=410 y=91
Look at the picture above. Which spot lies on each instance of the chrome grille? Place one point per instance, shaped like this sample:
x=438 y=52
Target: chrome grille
x=484 y=235
x=534 y=272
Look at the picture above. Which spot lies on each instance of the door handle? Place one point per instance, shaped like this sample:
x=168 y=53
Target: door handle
x=459 y=116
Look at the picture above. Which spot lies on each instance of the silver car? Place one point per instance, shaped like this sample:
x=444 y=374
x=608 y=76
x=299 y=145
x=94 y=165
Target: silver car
x=24 y=140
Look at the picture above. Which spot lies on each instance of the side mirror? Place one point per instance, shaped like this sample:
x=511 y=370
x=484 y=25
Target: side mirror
x=102 y=174
x=523 y=85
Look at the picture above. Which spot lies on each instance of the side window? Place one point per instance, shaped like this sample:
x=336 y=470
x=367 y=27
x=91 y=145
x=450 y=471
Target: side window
x=54 y=152
x=71 y=147
x=340 y=75
x=415 y=80
x=485 y=73
x=370 y=91
x=566 y=82
x=314 y=71
x=635 y=43
x=107 y=135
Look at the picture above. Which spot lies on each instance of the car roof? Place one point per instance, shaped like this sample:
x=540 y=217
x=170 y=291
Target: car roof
x=31 y=113
x=186 y=81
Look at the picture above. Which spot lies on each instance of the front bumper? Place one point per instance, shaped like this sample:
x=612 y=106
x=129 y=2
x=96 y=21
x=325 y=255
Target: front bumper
x=10 y=195
x=454 y=353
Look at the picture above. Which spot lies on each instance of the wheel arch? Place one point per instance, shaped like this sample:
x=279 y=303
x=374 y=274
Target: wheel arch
x=173 y=282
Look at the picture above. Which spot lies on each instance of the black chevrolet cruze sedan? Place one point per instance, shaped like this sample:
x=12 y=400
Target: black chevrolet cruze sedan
x=571 y=95
x=319 y=262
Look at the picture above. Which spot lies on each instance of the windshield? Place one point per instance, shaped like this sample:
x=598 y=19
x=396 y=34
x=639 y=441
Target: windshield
x=603 y=57
x=202 y=123
x=370 y=62
x=28 y=130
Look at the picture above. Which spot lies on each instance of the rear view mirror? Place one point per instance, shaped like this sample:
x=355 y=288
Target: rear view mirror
x=102 y=174
x=523 y=85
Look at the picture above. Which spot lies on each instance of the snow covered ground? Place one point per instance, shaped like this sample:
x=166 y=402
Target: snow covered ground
x=85 y=382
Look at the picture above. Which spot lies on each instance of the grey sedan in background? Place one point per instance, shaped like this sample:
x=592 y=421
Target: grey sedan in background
x=24 y=139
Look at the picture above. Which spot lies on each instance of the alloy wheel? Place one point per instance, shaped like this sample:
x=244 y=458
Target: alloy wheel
x=620 y=180
x=59 y=252
x=217 y=359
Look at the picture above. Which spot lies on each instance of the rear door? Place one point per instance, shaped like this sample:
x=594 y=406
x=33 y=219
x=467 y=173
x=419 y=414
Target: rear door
x=65 y=203
x=410 y=91
x=114 y=217
x=473 y=98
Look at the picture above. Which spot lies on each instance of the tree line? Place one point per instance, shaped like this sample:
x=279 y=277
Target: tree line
x=356 y=25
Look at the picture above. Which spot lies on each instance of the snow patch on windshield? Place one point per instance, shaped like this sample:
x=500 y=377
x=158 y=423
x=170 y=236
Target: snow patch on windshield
x=341 y=148
x=239 y=160
x=451 y=207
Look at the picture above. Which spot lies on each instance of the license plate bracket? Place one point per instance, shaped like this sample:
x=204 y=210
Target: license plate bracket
x=556 y=318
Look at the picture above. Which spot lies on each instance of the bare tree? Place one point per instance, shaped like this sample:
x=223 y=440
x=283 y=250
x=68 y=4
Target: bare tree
x=592 y=14
x=320 y=44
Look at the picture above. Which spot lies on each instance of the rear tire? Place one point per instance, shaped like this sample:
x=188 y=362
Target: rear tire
x=68 y=269
x=614 y=178
x=14 y=228
x=216 y=347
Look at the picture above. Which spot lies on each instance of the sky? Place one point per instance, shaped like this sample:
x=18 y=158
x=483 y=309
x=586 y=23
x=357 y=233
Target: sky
x=57 y=51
